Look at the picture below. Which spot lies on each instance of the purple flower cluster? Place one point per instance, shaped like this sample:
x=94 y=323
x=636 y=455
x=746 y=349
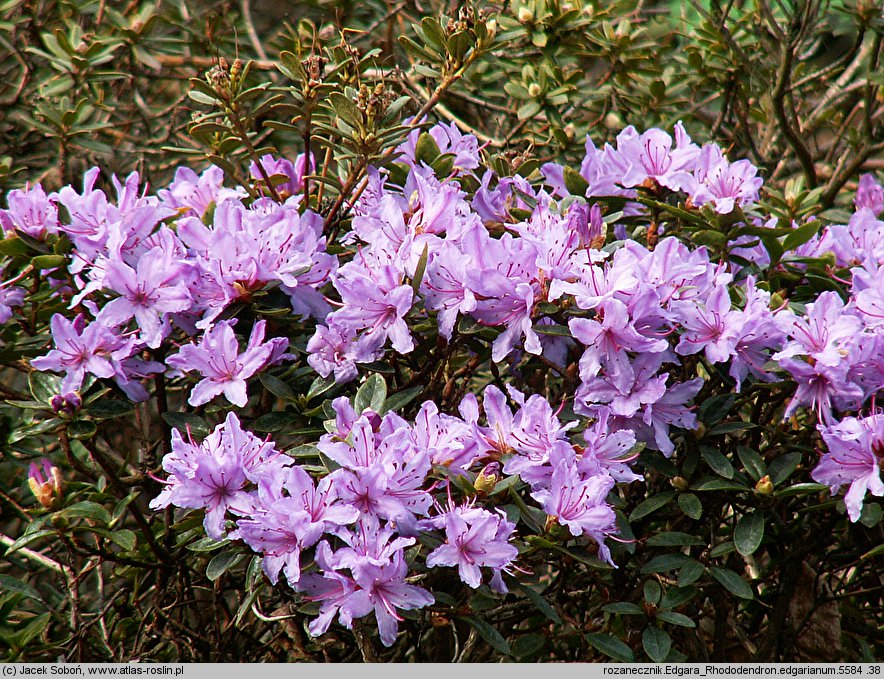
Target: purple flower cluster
x=653 y=159
x=144 y=265
x=529 y=270
x=834 y=349
x=382 y=496
x=855 y=455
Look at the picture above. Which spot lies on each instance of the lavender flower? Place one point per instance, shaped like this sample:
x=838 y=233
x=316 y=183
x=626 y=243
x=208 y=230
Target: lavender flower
x=475 y=538
x=578 y=502
x=80 y=349
x=224 y=369
x=869 y=195
x=291 y=515
x=30 y=211
x=213 y=475
x=148 y=292
x=855 y=454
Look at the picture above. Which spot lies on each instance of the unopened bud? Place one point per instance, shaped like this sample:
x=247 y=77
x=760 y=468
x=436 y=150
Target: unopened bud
x=66 y=405
x=534 y=90
x=45 y=483
x=487 y=478
x=764 y=485
x=679 y=483
x=525 y=15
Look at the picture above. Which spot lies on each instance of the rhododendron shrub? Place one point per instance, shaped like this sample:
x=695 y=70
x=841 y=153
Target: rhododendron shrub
x=413 y=404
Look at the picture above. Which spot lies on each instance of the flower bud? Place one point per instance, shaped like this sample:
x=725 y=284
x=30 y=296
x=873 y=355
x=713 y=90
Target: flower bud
x=45 y=483
x=525 y=15
x=487 y=478
x=579 y=216
x=534 y=90
x=66 y=405
x=679 y=483
x=764 y=485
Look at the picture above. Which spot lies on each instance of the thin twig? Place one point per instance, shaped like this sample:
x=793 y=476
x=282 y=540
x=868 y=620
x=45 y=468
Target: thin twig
x=36 y=557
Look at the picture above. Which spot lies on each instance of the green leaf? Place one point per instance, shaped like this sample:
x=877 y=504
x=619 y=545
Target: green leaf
x=304 y=450
x=272 y=422
x=801 y=489
x=319 y=386
x=42 y=262
x=713 y=239
x=125 y=538
x=277 y=387
x=611 y=646
x=433 y=34
x=690 y=504
x=529 y=644
x=717 y=462
x=28 y=538
x=207 y=544
x=872 y=553
x=801 y=235
x=623 y=608
x=715 y=408
x=708 y=484
x=11 y=584
x=443 y=165
x=419 y=270
x=729 y=428
x=426 y=149
x=44 y=386
x=656 y=643
x=82 y=429
x=371 y=394
x=732 y=582
x=651 y=505
x=652 y=591
x=540 y=603
x=723 y=548
x=666 y=562
x=528 y=110
x=489 y=634
x=14 y=247
x=749 y=533
x=345 y=109
x=676 y=596
x=183 y=422
x=400 y=399
x=86 y=510
x=871 y=514
x=752 y=462
x=575 y=182
x=782 y=467
x=109 y=408
x=690 y=573
x=773 y=247
x=221 y=563
x=34 y=629
x=674 y=539
x=555 y=330
x=674 y=618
